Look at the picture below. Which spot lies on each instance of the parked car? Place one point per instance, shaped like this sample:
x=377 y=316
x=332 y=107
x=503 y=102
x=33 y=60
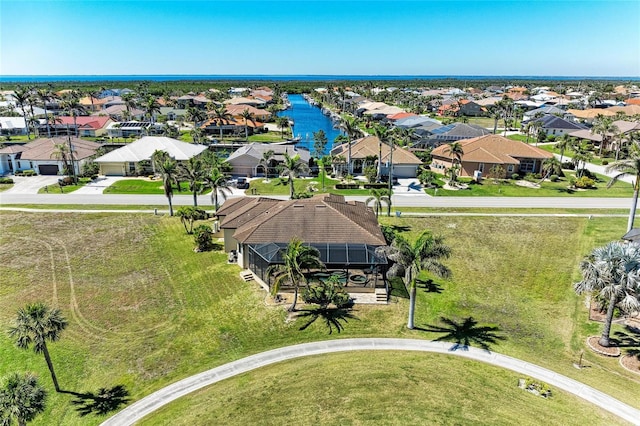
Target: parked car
x=242 y=183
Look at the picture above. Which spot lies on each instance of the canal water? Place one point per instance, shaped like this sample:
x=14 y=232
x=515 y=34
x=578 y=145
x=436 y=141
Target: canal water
x=308 y=119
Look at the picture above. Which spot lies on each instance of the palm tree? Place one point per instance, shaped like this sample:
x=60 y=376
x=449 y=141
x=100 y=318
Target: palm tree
x=378 y=196
x=168 y=169
x=61 y=153
x=247 y=116
x=612 y=273
x=44 y=95
x=129 y=102
x=604 y=127
x=192 y=171
x=196 y=115
x=265 y=161
x=221 y=116
x=218 y=182
x=296 y=257
x=151 y=107
x=36 y=324
x=455 y=151
x=283 y=123
x=564 y=143
x=383 y=135
x=21 y=398
x=350 y=126
x=463 y=334
x=71 y=104
x=22 y=96
x=411 y=259
x=292 y=167
x=628 y=167
x=551 y=166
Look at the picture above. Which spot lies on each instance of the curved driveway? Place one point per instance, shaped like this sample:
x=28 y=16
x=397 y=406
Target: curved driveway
x=164 y=396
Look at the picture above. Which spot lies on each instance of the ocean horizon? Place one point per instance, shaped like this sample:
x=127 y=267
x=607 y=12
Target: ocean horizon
x=292 y=77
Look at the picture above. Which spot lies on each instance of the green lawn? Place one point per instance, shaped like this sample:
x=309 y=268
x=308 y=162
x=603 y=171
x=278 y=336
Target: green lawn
x=268 y=137
x=509 y=188
x=377 y=388
x=5 y=186
x=570 y=153
x=56 y=189
x=142 y=186
x=521 y=138
x=145 y=310
x=280 y=186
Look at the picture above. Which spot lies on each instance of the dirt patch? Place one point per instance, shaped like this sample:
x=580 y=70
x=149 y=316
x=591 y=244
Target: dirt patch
x=631 y=363
x=595 y=314
x=527 y=184
x=612 y=351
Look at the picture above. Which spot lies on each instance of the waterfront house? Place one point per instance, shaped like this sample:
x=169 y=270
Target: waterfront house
x=405 y=163
x=12 y=126
x=450 y=133
x=552 y=125
x=82 y=125
x=248 y=159
x=481 y=154
x=123 y=161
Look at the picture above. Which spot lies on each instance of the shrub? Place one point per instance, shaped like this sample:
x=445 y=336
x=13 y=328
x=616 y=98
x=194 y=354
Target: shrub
x=568 y=165
x=67 y=180
x=347 y=186
x=301 y=195
x=90 y=168
x=554 y=178
x=375 y=185
x=551 y=138
x=531 y=177
x=203 y=237
x=371 y=173
x=27 y=172
x=6 y=180
x=605 y=162
x=584 y=182
x=515 y=176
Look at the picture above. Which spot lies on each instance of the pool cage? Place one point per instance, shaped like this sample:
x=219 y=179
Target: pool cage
x=344 y=256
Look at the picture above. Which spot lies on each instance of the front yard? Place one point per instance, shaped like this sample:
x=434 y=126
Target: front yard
x=145 y=310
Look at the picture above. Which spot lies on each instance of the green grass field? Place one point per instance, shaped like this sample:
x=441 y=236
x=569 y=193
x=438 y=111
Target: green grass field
x=509 y=188
x=377 y=388
x=280 y=186
x=56 y=189
x=145 y=310
x=141 y=186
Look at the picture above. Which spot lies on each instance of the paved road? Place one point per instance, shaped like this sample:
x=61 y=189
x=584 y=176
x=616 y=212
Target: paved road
x=398 y=201
x=164 y=396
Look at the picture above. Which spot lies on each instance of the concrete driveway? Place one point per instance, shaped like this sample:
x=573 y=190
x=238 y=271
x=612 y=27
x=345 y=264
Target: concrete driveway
x=98 y=186
x=31 y=184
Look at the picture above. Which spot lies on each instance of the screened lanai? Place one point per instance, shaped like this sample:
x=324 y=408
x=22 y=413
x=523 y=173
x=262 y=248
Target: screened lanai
x=348 y=257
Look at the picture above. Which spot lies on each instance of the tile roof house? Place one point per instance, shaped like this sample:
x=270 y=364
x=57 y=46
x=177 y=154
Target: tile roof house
x=345 y=232
x=246 y=160
x=122 y=161
x=482 y=153
x=87 y=125
x=450 y=133
x=405 y=163
x=40 y=155
x=557 y=126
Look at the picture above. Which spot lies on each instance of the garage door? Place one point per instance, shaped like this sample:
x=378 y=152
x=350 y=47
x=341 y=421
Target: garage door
x=111 y=169
x=48 y=169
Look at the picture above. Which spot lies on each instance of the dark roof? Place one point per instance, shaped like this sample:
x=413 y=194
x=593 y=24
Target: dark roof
x=321 y=219
x=553 y=122
x=458 y=131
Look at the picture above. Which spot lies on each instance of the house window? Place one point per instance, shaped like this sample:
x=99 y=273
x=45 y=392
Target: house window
x=481 y=167
x=31 y=164
x=527 y=165
x=132 y=167
x=510 y=168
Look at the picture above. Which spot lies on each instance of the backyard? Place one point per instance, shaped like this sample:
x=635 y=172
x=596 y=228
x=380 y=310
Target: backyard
x=145 y=311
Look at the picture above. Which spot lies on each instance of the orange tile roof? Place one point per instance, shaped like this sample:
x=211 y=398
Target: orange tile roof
x=494 y=149
x=400 y=115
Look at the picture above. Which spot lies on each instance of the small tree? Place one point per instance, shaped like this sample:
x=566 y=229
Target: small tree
x=188 y=215
x=319 y=142
x=203 y=237
x=21 y=398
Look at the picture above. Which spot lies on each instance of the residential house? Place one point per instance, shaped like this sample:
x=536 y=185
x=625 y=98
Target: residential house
x=127 y=129
x=246 y=101
x=82 y=125
x=259 y=114
x=450 y=133
x=545 y=110
x=624 y=127
x=405 y=163
x=123 y=161
x=556 y=126
x=470 y=108
x=120 y=113
x=10 y=126
x=346 y=233
x=247 y=160
x=41 y=155
x=481 y=154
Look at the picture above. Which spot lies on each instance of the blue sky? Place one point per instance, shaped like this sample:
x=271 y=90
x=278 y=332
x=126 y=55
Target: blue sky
x=573 y=38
